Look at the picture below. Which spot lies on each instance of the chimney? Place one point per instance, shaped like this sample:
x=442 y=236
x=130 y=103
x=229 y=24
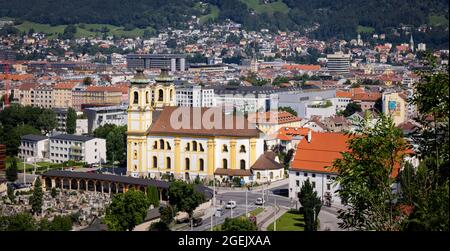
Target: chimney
x=309 y=136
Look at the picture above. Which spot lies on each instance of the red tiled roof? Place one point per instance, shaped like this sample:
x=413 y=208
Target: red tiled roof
x=103 y=89
x=320 y=153
x=287 y=133
x=301 y=67
x=65 y=86
x=368 y=96
x=27 y=86
x=273 y=117
x=343 y=94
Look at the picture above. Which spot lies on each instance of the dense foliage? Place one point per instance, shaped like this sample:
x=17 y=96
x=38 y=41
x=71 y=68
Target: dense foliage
x=238 y=224
x=311 y=205
x=126 y=211
x=336 y=19
x=116 y=140
x=17 y=120
x=26 y=222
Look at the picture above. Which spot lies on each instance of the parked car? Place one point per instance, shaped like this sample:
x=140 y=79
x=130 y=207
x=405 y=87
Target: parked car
x=219 y=212
x=231 y=204
x=259 y=201
x=197 y=222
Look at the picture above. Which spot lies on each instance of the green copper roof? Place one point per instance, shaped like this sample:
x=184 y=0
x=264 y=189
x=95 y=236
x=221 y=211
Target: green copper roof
x=140 y=78
x=164 y=76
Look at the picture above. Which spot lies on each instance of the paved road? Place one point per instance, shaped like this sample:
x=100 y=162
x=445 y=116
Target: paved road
x=240 y=198
x=327 y=216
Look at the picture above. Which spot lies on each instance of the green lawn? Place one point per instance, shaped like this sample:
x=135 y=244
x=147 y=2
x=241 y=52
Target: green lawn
x=365 y=29
x=256 y=211
x=277 y=6
x=211 y=16
x=83 y=30
x=290 y=221
x=437 y=20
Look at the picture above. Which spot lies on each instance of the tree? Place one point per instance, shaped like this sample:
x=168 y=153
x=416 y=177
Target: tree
x=153 y=196
x=61 y=223
x=184 y=198
x=426 y=190
x=366 y=175
x=12 y=139
x=126 y=211
x=238 y=224
x=115 y=141
x=351 y=108
x=53 y=192
x=11 y=171
x=11 y=194
x=47 y=120
x=87 y=81
x=71 y=121
x=18 y=222
x=311 y=205
x=288 y=109
x=166 y=214
x=69 y=32
x=159 y=226
x=36 y=198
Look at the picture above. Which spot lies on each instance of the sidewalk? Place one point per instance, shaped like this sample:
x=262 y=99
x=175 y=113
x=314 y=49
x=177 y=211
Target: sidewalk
x=253 y=189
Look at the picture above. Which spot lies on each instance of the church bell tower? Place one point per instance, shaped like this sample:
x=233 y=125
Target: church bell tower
x=139 y=120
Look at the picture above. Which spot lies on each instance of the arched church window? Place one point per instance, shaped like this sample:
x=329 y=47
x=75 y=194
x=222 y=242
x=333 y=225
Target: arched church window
x=160 y=95
x=135 y=97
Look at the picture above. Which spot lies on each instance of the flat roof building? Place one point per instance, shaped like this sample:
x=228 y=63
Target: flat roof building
x=174 y=62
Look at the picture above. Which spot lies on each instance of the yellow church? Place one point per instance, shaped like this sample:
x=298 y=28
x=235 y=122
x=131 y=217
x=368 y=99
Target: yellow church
x=191 y=141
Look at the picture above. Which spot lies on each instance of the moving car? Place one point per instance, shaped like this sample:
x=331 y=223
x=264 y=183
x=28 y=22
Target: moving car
x=260 y=201
x=231 y=204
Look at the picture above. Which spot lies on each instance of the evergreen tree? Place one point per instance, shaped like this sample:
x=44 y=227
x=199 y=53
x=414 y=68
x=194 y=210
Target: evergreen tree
x=53 y=192
x=311 y=205
x=153 y=196
x=11 y=171
x=36 y=198
x=71 y=122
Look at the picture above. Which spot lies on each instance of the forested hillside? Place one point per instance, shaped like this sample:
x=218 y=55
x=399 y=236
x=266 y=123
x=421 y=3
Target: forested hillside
x=336 y=19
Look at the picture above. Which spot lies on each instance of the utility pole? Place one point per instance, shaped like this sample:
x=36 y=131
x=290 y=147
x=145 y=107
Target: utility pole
x=246 y=204
x=24 y=180
x=275 y=216
x=113 y=164
x=213 y=202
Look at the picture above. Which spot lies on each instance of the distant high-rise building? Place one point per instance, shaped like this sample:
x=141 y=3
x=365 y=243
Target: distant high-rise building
x=174 y=62
x=195 y=96
x=338 y=63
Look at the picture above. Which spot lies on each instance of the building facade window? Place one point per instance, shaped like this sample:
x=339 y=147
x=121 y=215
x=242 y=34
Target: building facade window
x=242 y=149
x=224 y=148
x=187 y=164
x=160 y=95
x=155 y=162
x=135 y=97
x=242 y=164
x=201 y=165
x=168 y=163
x=224 y=163
x=161 y=144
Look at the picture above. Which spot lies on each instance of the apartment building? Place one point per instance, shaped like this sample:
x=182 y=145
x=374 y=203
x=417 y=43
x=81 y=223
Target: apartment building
x=62 y=94
x=33 y=147
x=100 y=116
x=195 y=96
x=65 y=147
